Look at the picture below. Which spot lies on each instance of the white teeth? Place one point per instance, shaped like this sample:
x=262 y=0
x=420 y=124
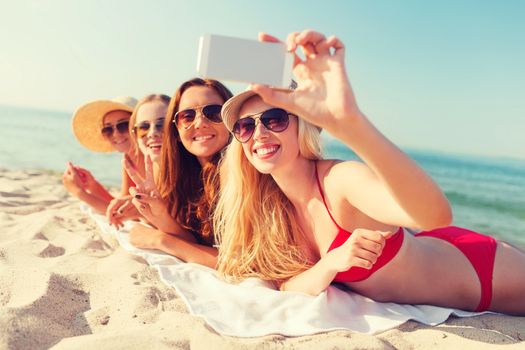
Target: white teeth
x=203 y=137
x=265 y=150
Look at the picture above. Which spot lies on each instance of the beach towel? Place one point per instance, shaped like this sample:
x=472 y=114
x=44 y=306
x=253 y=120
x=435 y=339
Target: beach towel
x=254 y=308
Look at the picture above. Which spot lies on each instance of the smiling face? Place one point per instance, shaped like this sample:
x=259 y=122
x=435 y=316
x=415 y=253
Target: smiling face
x=120 y=141
x=150 y=114
x=203 y=138
x=267 y=150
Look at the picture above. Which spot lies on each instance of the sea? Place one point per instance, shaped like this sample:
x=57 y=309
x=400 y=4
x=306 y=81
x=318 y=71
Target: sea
x=487 y=194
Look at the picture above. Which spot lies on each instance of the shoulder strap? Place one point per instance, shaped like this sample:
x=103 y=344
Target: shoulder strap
x=322 y=196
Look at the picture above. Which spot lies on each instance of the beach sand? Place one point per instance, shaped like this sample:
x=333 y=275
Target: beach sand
x=65 y=285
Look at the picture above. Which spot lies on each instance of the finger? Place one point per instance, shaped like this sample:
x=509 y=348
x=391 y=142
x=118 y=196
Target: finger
x=309 y=50
x=142 y=197
x=309 y=37
x=322 y=47
x=268 y=38
x=363 y=263
x=371 y=246
x=149 y=169
x=371 y=235
x=366 y=255
x=141 y=207
x=132 y=171
x=386 y=234
x=132 y=191
x=291 y=44
x=124 y=207
x=338 y=46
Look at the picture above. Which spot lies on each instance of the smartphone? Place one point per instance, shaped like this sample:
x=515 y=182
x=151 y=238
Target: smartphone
x=243 y=60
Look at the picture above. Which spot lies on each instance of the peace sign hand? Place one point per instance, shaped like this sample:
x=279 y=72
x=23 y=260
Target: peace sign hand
x=146 y=197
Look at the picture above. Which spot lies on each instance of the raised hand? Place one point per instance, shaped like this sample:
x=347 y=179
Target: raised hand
x=324 y=96
x=361 y=249
x=72 y=180
x=146 y=197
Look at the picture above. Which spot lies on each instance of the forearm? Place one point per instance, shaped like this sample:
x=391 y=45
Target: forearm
x=188 y=251
x=312 y=281
x=411 y=187
x=100 y=191
x=98 y=204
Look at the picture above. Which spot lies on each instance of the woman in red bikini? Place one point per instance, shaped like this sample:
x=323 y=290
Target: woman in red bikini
x=286 y=215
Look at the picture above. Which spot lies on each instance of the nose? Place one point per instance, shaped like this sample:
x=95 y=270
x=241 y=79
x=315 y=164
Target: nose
x=200 y=121
x=260 y=131
x=154 y=131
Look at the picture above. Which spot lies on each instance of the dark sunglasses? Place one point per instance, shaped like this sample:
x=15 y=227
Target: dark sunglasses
x=142 y=128
x=122 y=127
x=275 y=119
x=186 y=118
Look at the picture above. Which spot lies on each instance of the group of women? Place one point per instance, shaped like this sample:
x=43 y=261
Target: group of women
x=238 y=183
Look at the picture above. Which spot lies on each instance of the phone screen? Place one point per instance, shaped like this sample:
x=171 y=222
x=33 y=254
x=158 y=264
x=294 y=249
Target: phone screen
x=242 y=60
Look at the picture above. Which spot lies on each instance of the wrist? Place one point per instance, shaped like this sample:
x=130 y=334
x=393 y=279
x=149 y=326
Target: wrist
x=326 y=264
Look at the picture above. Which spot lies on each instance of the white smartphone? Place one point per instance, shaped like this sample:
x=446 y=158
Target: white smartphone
x=242 y=60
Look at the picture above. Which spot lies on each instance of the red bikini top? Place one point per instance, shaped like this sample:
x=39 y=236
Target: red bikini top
x=355 y=274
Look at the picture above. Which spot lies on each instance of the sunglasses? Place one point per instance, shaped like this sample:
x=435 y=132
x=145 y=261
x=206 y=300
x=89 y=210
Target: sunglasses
x=122 y=127
x=186 y=118
x=142 y=128
x=275 y=119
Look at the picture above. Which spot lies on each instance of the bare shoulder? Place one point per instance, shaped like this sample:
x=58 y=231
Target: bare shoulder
x=342 y=171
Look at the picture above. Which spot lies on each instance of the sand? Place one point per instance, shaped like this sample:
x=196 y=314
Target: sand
x=65 y=285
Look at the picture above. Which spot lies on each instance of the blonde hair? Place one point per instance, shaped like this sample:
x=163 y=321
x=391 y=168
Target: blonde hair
x=254 y=222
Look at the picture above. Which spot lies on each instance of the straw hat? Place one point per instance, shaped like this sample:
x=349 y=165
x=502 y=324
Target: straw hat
x=88 y=121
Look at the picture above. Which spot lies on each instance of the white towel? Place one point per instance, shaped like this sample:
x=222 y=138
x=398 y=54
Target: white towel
x=254 y=308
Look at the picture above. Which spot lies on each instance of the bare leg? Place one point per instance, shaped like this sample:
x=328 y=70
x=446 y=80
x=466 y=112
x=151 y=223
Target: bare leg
x=508 y=280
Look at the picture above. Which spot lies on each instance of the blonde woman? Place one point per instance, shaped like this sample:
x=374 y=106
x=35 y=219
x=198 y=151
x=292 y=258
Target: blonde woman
x=146 y=127
x=101 y=126
x=286 y=215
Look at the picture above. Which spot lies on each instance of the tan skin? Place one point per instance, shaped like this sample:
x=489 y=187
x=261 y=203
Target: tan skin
x=203 y=139
x=149 y=146
x=426 y=270
x=79 y=181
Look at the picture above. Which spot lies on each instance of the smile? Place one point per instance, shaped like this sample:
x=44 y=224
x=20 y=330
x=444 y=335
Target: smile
x=203 y=137
x=266 y=151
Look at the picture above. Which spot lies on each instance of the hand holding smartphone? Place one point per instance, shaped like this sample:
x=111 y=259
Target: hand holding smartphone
x=242 y=60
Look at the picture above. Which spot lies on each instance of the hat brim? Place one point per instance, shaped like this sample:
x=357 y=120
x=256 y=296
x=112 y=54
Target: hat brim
x=88 y=121
x=230 y=109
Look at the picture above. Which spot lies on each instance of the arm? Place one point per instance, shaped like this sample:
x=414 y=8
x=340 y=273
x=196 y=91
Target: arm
x=75 y=183
x=360 y=250
x=325 y=98
x=183 y=247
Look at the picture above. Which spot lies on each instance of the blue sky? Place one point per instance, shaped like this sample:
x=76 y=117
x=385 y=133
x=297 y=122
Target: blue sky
x=436 y=75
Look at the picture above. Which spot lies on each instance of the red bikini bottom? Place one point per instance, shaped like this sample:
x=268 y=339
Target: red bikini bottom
x=479 y=249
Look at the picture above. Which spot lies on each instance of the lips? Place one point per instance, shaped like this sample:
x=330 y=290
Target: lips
x=203 y=137
x=266 y=151
x=155 y=146
x=119 y=142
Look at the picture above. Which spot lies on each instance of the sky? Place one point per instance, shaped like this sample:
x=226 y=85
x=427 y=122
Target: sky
x=436 y=75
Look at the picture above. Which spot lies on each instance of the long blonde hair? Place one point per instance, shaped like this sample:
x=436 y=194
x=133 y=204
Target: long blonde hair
x=254 y=222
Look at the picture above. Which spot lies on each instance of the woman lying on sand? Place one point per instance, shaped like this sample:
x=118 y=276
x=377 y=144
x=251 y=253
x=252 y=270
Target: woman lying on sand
x=101 y=126
x=180 y=203
x=289 y=216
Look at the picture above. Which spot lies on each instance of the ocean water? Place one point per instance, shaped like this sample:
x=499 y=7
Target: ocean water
x=487 y=194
